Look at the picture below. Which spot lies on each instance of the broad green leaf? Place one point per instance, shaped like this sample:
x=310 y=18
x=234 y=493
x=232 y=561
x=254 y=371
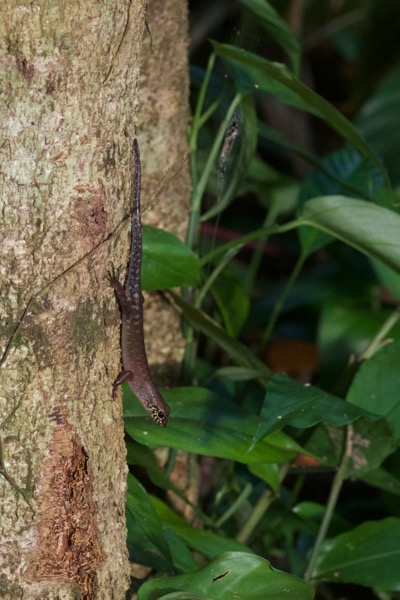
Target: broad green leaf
x=182 y=556
x=140 y=455
x=208 y=543
x=253 y=73
x=237 y=351
x=377 y=383
x=288 y=402
x=143 y=457
x=367 y=555
x=345 y=172
x=370 y=229
x=146 y=540
x=270 y=20
x=342 y=172
x=203 y=423
x=231 y=575
x=167 y=262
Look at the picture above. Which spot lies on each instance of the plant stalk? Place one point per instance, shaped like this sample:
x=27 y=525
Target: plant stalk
x=336 y=487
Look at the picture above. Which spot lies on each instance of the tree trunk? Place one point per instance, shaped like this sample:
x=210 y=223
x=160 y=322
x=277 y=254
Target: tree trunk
x=69 y=76
x=164 y=120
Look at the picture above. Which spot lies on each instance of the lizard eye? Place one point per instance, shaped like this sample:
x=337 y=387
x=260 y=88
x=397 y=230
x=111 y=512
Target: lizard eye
x=158 y=415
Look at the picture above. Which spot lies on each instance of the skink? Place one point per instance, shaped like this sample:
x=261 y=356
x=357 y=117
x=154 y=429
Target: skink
x=134 y=358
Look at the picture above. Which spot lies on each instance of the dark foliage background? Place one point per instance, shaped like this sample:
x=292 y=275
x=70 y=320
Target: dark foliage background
x=289 y=404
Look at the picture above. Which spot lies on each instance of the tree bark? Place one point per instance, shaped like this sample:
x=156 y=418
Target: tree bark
x=164 y=121
x=69 y=78
x=164 y=118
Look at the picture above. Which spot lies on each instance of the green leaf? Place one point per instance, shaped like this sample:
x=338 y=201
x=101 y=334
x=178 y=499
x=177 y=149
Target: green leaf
x=388 y=278
x=187 y=596
x=203 y=423
x=258 y=74
x=273 y=24
x=146 y=540
x=367 y=555
x=140 y=455
x=370 y=229
x=237 y=351
x=375 y=122
x=182 y=556
x=167 y=262
x=230 y=575
x=233 y=302
x=149 y=542
x=269 y=473
x=345 y=330
x=367 y=446
x=288 y=402
x=236 y=373
x=312 y=513
x=383 y=479
x=377 y=383
x=208 y=543
x=344 y=172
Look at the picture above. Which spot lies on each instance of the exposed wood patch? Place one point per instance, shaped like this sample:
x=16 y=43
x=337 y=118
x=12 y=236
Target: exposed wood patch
x=68 y=546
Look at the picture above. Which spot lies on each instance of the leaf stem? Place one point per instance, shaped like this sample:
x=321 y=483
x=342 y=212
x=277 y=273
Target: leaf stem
x=336 y=487
x=281 y=301
x=213 y=276
x=236 y=505
x=197 y=119
x=265 y=500
x=263 y=232
x=376 y=343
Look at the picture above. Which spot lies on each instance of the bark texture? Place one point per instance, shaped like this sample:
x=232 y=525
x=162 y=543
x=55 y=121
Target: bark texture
x=163 y=125
x=68 y=87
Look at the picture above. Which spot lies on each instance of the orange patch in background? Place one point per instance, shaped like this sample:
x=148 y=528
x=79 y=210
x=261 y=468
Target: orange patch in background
x=297 y=358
